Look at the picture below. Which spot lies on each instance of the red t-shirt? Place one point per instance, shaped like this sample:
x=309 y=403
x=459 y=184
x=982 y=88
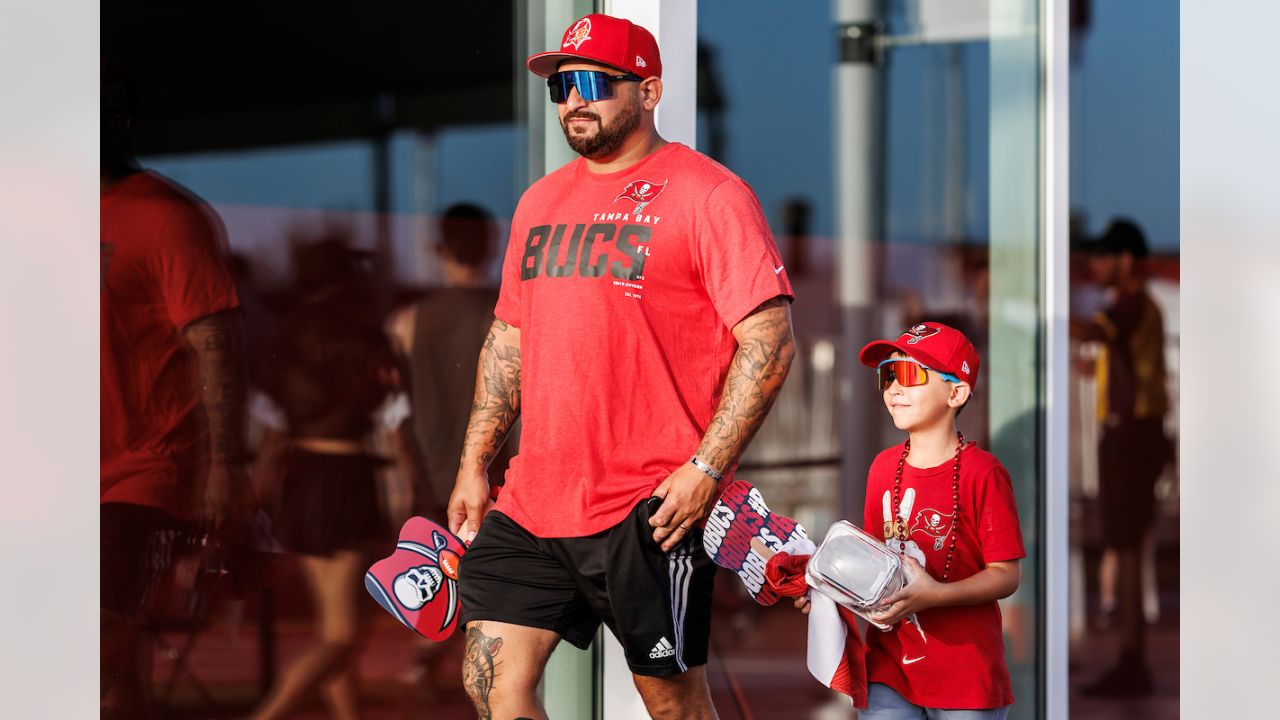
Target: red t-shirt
x=163 y=266
x=626 y=287
x=955 y=659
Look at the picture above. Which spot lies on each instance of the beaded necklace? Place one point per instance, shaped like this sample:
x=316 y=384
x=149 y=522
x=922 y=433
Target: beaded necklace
x=900 y=524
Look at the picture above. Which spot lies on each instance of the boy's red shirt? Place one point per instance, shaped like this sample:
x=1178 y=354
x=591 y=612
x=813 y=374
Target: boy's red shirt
x=955 y=657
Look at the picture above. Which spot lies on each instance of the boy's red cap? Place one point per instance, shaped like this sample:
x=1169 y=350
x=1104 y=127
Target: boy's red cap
x=935 y=345
x=603 y=39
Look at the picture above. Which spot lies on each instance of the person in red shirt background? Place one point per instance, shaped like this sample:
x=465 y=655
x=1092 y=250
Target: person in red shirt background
x=948 y=508
x=172 y=391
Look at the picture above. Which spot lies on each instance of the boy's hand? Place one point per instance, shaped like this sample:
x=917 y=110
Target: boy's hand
x=921 y=593
x=803 y=603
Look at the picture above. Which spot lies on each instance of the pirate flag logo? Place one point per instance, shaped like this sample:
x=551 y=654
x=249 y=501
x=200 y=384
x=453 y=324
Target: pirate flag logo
x=933 y=523
x=418 y=583
x=641 y=192
x=920 y=332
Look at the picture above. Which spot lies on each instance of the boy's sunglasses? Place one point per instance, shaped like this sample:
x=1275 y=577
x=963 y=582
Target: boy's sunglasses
x=592 y=84
x=908 y=373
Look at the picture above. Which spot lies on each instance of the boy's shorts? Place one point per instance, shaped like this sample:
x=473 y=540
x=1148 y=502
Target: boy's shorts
x=657 y=604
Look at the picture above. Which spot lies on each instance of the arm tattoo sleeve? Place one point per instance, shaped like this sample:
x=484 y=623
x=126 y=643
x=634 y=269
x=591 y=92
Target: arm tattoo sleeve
x=222 y=383
x=496 y=403
x=765 y=350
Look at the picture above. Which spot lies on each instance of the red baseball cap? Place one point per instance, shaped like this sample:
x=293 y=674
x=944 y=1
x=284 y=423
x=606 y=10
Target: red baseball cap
x=603 y=39
x=935 y=345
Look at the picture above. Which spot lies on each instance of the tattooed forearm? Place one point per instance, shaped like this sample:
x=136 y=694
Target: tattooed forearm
x=222 y=385
x=496 y=403
x=480 y=668
x=765 y=350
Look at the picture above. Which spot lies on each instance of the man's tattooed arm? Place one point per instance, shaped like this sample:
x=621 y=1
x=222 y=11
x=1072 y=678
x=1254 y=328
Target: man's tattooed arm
x=766 y=347
x=216 y=341
x=480 y=668
x=496 y=403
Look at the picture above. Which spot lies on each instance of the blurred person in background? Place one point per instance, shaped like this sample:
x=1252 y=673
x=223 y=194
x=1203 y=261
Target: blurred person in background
x=173 y=474
x=334 y=380
x=258 y=325
x=1133 y=448
x=440 y=337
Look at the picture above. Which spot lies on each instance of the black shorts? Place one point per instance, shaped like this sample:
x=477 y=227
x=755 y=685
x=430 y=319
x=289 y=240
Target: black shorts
x=329 y=502
x=1131 y=457
x=657 y=604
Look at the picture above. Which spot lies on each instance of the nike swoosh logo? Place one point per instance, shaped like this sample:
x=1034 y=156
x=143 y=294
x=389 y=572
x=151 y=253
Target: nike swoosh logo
x=778 y=270
x=906 y=661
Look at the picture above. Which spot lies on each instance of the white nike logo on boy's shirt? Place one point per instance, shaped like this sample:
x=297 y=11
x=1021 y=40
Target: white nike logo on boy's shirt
x=905 y=661
x=778 y=270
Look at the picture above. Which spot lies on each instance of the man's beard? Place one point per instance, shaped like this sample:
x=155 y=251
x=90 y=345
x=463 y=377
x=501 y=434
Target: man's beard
x=608 y=138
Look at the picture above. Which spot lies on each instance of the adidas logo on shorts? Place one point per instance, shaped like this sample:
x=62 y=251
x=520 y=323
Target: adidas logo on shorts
x=661 y=650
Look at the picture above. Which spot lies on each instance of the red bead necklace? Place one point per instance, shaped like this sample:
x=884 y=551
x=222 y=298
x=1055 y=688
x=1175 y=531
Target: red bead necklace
x=900 y=524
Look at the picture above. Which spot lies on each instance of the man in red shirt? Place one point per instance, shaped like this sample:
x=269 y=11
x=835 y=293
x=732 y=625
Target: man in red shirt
x=642 y=332
x=172 y=391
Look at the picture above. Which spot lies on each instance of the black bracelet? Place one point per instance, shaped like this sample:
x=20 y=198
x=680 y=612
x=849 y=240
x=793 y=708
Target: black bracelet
x=710 y=471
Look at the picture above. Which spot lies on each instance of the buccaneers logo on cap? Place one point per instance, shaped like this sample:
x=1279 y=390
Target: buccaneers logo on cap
x=578 y=34
x=641 y=192
x=920 y=332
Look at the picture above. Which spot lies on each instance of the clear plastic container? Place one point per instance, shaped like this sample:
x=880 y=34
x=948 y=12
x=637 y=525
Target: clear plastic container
x=856 y=570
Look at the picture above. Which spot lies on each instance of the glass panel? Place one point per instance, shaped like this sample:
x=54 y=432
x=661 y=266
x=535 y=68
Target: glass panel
x=571 y=686
x=362 y=127
x=1124 y=413
x=942 y=223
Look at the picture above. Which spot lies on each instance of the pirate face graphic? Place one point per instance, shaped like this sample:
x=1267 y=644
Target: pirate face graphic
x=578 y=34
x=418 y=583
x=417 y=586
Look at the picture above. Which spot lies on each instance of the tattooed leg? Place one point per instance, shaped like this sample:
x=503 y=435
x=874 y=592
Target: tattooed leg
x=502 y=666
x=480 y=669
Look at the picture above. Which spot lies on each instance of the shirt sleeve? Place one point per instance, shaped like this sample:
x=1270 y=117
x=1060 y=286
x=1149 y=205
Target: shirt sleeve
x=737 y=257
x=192 y=268
x=508 y=308
x=998 y=528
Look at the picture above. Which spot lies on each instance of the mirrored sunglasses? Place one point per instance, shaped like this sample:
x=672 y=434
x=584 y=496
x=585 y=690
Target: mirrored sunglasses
x=592 y=84
x=908 y=373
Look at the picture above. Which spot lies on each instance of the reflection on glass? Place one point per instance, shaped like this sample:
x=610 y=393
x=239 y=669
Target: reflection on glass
x=347 y=127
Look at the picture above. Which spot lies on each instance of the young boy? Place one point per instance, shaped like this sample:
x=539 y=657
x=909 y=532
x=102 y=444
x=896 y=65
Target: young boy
x=947 y=507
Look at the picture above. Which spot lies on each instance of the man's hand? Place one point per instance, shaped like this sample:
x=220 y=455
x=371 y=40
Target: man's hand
x=688 y=494
x=922 y=593
x=468 y=504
